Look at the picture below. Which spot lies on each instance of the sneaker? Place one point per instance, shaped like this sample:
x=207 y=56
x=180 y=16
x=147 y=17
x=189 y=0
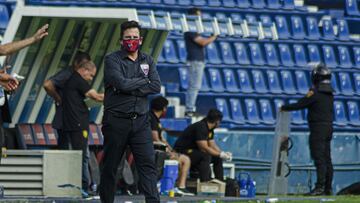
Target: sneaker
x=183 y=192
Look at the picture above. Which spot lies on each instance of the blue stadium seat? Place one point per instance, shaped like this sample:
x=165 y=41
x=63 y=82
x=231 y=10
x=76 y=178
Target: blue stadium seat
x=356 y=51
x=227 y=53
x=344 y=57
x=286 y=55
x=340 y=114
x=259 y=4
x=297 y=117
x=230 y=81
x=222 y=106
x=314 y=54
x=244 y=81
x=273 y=4
x=312 y=28
x=272 y=57
x=215 y=3
x=184 y=78
x=4 y=17
x=328 y=30
x=229 y=3
x=266 y=112
x=144 y=18
x=242 y=3
x=287 y=82
x=334 y=83
x=298 y=31
x=171 y=2
x=300 y=56
x=301 y=82
x=199 y=3
x=278 y=104
x=181 y=50
x=170 y=52
x=256 y=54
x=236 y=111
x=282 y=27
x=252 y=113
x=353 y=111
x=259 y=81
x=204 y=84
x=343 y=30
x=238 y=30
x=289 y=4
x=176 y=21
x=345 y=84
x=251 y=19
x=235 y=17
x=184 y=2
x=356 y=78
x=329 y=56
x=215 y=79
x=266 y=20
x=274 y=82
x=352 y=8
x=241 y=54
x=213 y=54
x=160 y=20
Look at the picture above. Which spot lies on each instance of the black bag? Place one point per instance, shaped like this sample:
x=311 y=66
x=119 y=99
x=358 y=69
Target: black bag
x=232 y=188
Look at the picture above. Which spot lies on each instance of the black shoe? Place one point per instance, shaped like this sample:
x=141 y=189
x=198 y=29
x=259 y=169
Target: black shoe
x=317 y=192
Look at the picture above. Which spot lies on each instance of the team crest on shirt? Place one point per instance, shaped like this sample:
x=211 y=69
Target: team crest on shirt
x=145 y=68
x=210 y=135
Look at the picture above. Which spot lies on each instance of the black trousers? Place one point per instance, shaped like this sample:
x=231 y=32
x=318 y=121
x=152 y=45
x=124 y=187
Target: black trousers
x=63 y=140
x=118 y=133
x=320 y=142
x=200 y=162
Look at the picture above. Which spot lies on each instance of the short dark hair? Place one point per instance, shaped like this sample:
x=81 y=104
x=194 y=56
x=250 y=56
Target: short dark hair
x=159 y=103
x=193 y=11
x=214 y=115
x=127 y=25
x=81 y=56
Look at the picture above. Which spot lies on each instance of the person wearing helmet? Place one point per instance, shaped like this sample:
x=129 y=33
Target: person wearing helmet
x=319 y=102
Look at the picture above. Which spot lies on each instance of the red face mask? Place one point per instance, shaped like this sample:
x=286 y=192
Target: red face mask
x=163 y=114
x=131 y=45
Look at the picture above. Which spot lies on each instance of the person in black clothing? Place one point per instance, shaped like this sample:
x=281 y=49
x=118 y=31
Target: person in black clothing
x=54 y=87
x=76 y=113
x=319 y=102
x=197 y=142
x=158 y=107
x=129 y=77
x=195 y=47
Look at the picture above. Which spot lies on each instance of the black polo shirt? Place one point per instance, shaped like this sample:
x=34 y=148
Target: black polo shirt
x=155 y=124
x=195 y=132
x=128 y=83
x=195 y=52
x=76 y=113
x=59 y=80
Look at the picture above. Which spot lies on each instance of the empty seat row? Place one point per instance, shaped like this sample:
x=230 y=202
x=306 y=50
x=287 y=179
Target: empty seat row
x=256 y=4
x=263 y=111
x=269 y=81
x=270 y=54
x=44 y=136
